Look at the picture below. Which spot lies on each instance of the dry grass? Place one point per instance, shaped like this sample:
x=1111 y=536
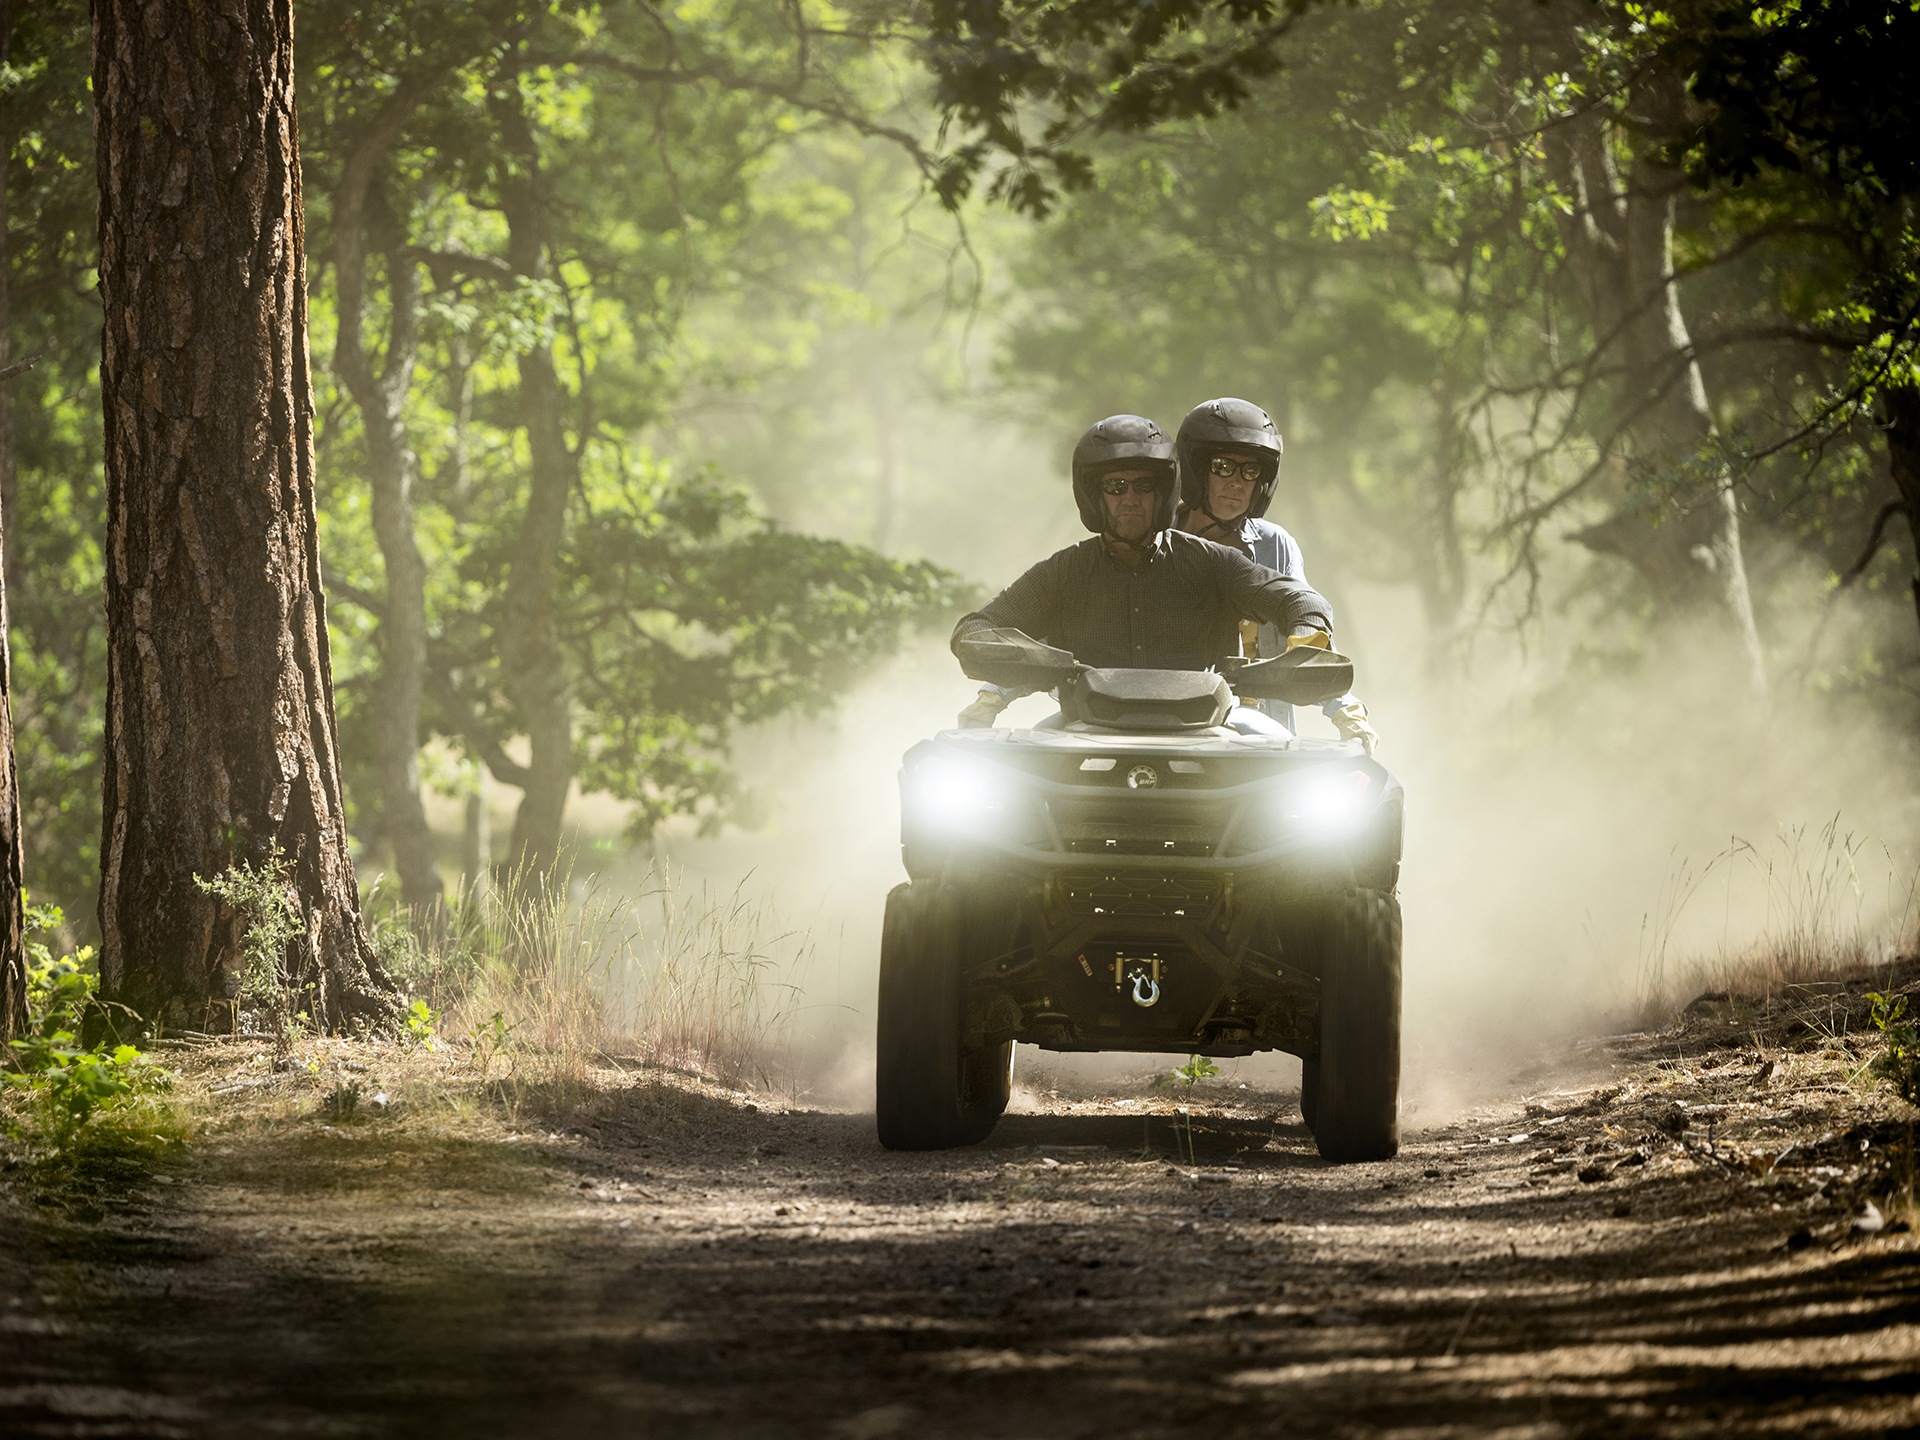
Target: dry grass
x=540 y=984
x=1832 y=908
x=532 y=1005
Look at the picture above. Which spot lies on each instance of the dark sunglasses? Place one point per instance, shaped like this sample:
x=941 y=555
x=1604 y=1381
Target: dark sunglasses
x=1247 y=470
x=1143 y=485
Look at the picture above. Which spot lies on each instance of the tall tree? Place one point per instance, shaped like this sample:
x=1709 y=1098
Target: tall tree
x=13 y=949
x=535 y=668
x=378 y=385
x=1492 y=119
x=1682 y=531
x=547 y=213
x=220 y=728
x=52 y=492
x=1819 y=97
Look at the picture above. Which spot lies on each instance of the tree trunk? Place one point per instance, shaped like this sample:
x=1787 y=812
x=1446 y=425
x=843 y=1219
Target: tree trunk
x=13 y=948
x=1903 y=463
x=476 y=849
x=886 y=480
x=392 y=466
x=535 y=670
x=1676 y=520
x=220 y=743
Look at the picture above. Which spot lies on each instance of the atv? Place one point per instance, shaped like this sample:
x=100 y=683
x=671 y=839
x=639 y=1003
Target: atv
x=1140 y=874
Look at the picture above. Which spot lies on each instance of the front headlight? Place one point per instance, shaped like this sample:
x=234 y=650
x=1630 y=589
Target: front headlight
x=1329 y=802
x=947 y=791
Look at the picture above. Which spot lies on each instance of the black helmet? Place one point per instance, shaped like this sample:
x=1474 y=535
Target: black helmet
x=1122 y=442
x=1227 y=424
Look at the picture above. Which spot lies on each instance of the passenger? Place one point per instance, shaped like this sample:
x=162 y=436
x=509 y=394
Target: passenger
x=1229 y=457
x=1139 y=593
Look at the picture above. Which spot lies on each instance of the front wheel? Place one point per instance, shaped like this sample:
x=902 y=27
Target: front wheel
x=1355 y=1112
x=930 y=1091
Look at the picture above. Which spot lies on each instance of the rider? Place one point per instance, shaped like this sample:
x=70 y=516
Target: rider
x=1139 y=593
x=1229 y=457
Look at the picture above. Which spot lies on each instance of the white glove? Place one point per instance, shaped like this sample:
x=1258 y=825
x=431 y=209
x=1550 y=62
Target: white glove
x=981 y=713
x=1351 y=721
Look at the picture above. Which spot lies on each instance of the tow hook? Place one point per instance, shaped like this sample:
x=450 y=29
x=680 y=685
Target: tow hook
x=1146 y=991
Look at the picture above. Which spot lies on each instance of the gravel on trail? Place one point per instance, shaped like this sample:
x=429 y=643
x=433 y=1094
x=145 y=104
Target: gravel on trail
x=1708 y=1234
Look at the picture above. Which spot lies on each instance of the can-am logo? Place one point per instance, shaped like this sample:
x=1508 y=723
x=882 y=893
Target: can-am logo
x=1142 y=777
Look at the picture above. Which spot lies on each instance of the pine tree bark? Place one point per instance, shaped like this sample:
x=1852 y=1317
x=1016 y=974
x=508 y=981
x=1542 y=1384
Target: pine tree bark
x=13 y=947
x=220 y=744
x=392 y=466
x=535 y=667
x=1681 y=532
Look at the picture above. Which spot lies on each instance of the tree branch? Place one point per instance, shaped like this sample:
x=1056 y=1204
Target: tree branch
x=473 y=734
x=1874 y=538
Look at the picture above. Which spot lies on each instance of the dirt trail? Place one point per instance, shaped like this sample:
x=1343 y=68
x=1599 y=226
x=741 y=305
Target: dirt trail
x=1628 y=1257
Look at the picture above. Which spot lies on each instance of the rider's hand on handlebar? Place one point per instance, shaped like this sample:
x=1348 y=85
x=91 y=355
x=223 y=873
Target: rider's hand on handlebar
x=987 y=705
x=1351 y=721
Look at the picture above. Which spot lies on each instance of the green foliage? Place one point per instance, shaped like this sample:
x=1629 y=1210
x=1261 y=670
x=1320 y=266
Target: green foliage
x=1897 y=1066
x=53 y=561
x=422 y=1023
x=679 y=609
x=1023 y=84
x=1196 y=1069
x=66 y=1078
x=263 y=897
x=490 y=1039
x=343 y=1101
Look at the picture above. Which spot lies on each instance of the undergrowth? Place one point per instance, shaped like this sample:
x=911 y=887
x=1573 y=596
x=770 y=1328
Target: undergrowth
x=78 y=1108
x=541 y=983
x=1897 y=1066
x=519 y=1001
x=263 y=897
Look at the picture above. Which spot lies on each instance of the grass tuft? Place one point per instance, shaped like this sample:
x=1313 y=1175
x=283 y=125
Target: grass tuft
x=539 y=984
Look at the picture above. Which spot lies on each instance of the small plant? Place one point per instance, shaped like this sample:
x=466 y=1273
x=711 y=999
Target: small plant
x=1898 y=1063
x=422 y=1022
x=342 y=1104
x=490 y=1039
x=68 y=1078
x=265 y=900
x=1197 y=1068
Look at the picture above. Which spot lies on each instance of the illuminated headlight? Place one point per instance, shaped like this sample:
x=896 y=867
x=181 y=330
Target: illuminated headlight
x=952 y=792
x=1330 y=802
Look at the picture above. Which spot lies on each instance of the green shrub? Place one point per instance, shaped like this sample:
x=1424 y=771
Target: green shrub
x=263 y=894
x=1898 y=1063
x=66 y=1078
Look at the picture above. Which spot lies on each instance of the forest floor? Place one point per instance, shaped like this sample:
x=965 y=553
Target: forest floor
x=1670 y=1235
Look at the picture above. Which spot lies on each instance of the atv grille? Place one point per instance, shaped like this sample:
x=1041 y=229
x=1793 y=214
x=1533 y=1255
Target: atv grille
x=1135 y=895
x=1100 y=829
x=1138 y=842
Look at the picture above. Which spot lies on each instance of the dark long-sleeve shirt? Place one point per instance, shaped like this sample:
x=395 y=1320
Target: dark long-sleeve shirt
x=1178 y=611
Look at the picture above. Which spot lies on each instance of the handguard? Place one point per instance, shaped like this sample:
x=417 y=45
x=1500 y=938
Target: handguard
x=1305 y=675
x=1013 y=659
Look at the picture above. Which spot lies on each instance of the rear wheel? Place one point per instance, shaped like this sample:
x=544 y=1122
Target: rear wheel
x=1354 y=1109
x=930 y=1092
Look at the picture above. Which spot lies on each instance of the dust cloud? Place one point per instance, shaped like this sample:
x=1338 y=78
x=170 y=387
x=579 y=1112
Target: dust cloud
x=1599 y=813
x=1578 y=849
